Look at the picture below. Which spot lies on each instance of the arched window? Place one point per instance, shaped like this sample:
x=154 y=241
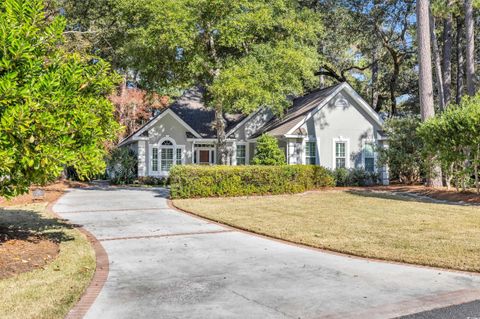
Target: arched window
x=166 y=156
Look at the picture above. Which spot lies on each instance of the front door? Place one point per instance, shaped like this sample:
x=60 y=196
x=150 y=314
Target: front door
x=204 y=157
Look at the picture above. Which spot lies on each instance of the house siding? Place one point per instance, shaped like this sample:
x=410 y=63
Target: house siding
x=342 y=119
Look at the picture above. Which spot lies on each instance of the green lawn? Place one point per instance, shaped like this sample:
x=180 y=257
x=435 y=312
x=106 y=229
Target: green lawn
x=358 y=223
x=50 y=292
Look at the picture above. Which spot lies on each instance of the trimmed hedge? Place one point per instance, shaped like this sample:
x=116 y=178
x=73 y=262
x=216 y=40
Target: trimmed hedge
x=188 y=181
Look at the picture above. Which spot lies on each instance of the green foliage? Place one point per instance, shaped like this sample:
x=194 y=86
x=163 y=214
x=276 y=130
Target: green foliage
x=268 y=152
x=189 y=181
x=245 y=53
x=53 y=106
x=122 y=166
x=404 y=153
x=453 y=138
x=153 y=181
x=355 y=177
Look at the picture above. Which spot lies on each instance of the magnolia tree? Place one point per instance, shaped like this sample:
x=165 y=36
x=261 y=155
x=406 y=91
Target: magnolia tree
x=54 y=110
x=454 y=138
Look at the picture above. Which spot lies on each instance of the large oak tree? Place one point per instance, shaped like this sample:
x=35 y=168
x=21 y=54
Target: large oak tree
x=245 y=53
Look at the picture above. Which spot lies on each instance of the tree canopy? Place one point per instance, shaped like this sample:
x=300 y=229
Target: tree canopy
x=54 y=110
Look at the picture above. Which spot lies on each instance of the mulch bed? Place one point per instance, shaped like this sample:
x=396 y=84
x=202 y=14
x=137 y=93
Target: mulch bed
x=470 y=197
x=52 y=193
x=23 y=247
x=18 y=256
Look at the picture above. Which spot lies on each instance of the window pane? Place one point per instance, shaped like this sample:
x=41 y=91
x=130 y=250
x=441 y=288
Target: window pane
x=340 y=149
x=240 y=150
x=167 y=143
x=179 y=156
x=368 y=150
x=166 y=159
x=154 y=159
x=311 y=153
x=369 y=164
x=311 y=149
x=340 y=163
x=241 y=154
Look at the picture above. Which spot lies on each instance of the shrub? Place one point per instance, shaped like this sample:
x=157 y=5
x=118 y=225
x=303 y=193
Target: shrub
x=153 y=181
x=268 y=152
x=453 y=139
x=189 y=181
x=404 y=153
x=341 y=176
x=355 y=177
x=122 y=166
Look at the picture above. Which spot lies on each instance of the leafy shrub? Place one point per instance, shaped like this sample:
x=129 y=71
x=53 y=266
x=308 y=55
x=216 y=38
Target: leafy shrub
x=453 y=139
x=122 y=166
x=355 y=177
x=404 y=153
x=268 y=152
x=153 y=181
x=341 y=176
x=189 y=181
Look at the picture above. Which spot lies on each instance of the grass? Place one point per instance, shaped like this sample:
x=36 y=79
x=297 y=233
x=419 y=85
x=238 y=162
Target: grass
x=52 y=291
x=358 y=223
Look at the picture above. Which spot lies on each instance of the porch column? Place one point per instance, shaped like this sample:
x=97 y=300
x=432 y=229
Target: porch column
x=142 y=158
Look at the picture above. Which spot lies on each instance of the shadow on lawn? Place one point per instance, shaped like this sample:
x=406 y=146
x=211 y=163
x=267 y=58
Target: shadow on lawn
x=406 y=197
x=30 y=225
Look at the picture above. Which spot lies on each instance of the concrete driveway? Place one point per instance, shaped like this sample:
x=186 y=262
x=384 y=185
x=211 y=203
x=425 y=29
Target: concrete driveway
x=166 y=264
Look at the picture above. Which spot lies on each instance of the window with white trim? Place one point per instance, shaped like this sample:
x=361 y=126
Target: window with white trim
x=241 y=154
x=178 y=159
x=340 y=154
x=155 y=159
x=310 y=153
x=166 y=156
x=369 y=156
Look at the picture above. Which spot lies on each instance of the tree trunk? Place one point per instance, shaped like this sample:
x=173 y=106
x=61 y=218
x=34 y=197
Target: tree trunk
x=221 y=138
x=447 y=57
x=374 y=68
x=470 y=46
x=477 y=155
x=460 y=74
x=448 y=178
x=425 y=79
x=438 y=65
x=393 y=84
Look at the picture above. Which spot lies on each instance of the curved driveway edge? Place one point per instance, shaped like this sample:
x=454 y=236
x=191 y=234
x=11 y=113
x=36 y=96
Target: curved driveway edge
x=318 y=249
x=99 y=277
x=167 y=264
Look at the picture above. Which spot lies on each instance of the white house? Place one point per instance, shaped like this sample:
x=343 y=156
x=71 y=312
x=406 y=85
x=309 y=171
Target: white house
x=333 y=127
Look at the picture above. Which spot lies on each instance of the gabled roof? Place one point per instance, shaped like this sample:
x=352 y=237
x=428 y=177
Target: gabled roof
x=192 y=113
x=281 y=125
x=305 y=106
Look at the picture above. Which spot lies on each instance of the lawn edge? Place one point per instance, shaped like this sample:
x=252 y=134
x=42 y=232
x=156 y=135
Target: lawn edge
x=100 y=276
x=312 y=247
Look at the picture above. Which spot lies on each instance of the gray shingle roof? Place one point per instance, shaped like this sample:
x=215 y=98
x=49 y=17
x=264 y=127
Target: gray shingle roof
x=280 y=125
x=190 y=108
